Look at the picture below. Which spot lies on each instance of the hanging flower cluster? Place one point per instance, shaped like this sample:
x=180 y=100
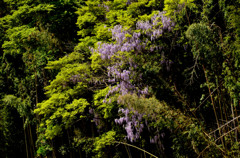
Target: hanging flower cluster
x=131 y=123
x=126 y=40
x=158 y=24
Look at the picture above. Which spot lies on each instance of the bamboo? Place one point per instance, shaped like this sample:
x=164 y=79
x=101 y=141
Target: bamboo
x=136 y=148
x=236 y=128
x=69 y=142
x=31 y=139
x=224 y=124
x=127 y=151
x=187 y=16
x=234 y=124
x=25 y=139
x=214 y=108
x=53 y=151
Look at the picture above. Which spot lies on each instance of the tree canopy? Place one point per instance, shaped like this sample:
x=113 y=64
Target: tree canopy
x=119 y=78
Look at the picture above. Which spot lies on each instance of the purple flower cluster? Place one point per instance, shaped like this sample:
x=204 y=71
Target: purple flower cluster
x=126 y=40
x=124 y=77
x=131 y=42
x=167 y=64
x=107 y=50
x=128 y=2
x=75 y=78
x=122 y=43
x=96 y=118
x=153 y=29
x=131 y=123
x=91 y=111
x=157 y=140
x=118 y=34
x=106 y=7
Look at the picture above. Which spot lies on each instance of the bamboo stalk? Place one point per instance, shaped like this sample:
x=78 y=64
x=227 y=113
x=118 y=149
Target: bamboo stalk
x=25 y=136
x=214 y=108
x=226 y=133
x=31 y=139
x=127 y=151
x=224 y=124
x=136 y=148
x=234 y=124
x=221 y=110
x=187 y=16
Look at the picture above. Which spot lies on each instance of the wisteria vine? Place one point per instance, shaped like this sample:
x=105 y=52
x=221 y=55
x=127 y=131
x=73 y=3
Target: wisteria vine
x=130 y=41
x=122 y=69
x=131 y=123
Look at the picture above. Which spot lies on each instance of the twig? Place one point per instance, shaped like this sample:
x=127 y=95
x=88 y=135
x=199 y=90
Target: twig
x=224 y=124
x=226 y=133
x=137 y=148
x=203 y=150
x=207 y=97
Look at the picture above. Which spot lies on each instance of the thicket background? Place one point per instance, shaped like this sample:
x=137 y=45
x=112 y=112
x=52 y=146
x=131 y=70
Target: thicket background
x=119 y=78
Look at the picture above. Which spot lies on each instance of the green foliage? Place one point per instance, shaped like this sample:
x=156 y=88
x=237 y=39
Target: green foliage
x=200 y=37
x=90 y=15
x=64 y=78
x=66 y=104
x=32 y=33
x=171 y=6
x=21 y=107
x=32 y=44
x=44 y=147
x=163 y=118
x=231 y=49
x=103 y=141
x=55 y=90
x=43 y=150
x=10 y=123
x=106 y=108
